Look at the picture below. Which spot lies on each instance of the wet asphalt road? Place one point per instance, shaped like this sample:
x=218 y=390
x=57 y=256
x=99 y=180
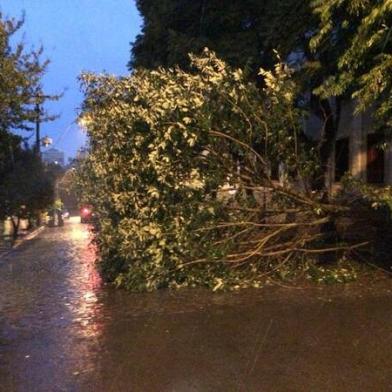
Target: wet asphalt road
x=61 y=329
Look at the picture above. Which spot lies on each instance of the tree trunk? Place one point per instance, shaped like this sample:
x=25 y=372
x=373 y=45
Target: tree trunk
x=30 y=223
x=329 y=132
x=38 y=219
x=328 y=136
x=15 y=227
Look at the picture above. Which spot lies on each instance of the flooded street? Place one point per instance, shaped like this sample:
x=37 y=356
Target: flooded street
x=61 y=329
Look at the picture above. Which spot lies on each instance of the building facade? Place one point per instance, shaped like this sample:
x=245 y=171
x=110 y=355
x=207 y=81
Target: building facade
x=53 y=156
x=358 y=149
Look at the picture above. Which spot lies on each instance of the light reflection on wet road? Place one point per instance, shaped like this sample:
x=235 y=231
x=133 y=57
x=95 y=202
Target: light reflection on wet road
x=61 y=329
x=49 y=311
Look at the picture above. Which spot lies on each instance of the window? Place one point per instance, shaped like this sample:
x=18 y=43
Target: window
x=342 y=158
x=375 y=159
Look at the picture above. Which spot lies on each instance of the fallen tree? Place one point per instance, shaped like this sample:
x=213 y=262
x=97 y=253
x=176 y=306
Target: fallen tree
x=181 y=175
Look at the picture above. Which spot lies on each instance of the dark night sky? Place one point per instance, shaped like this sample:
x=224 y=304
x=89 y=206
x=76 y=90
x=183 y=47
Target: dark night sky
x=77 y=35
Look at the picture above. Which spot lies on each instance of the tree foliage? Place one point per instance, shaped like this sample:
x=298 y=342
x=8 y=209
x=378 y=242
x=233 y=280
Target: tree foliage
x=21 y=73
x=25 y=187
x=242 y=33
x=246 y=34
x=182 y=196
x=181 y=157
x=174 y=28
x=364 y=65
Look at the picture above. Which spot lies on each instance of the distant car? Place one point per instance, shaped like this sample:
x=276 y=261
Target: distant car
x=86 y=214
x=65 y=214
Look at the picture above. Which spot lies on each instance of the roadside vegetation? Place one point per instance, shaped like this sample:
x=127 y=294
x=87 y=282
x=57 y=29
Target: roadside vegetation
x=180 y=175
x=201 y=173
x=26 y=185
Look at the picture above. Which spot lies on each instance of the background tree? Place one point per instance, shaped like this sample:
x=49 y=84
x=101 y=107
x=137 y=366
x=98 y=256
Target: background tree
x=9 y=145
x=364 y=64
x=24 y=184
x=173 y=28
x=21 y=74
x=22 y=98
x=66 y=189
x=26 y=188
x=292 y=28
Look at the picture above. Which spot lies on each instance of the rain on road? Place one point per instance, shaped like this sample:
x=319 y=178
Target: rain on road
x=62 y=329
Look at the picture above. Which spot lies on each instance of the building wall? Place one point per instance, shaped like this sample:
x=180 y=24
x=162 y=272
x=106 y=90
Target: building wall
x=52 y=156
x=357 y=127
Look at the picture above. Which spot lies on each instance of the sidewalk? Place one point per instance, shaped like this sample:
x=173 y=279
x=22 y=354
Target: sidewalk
x=7 y=242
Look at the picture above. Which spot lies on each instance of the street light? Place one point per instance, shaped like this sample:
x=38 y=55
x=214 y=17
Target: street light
x=38 y=99
x=37 y=125
x=46 y=141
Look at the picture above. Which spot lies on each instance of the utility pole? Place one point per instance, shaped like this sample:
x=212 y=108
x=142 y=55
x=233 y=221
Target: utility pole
x=37 y=128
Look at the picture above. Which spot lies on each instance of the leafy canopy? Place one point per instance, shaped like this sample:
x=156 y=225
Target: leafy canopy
x=364 y=67
x=25 y=187
x=178 y=165
x=174 y=28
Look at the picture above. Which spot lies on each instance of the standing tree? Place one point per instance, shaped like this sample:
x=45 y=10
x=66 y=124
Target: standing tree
x=292 y=28
x=20 y=75
x=21 y=93
x=174 y=28
x=364 y=66
x=24 y=186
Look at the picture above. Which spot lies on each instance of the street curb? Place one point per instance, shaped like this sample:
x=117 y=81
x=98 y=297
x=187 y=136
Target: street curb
x=19 y=242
